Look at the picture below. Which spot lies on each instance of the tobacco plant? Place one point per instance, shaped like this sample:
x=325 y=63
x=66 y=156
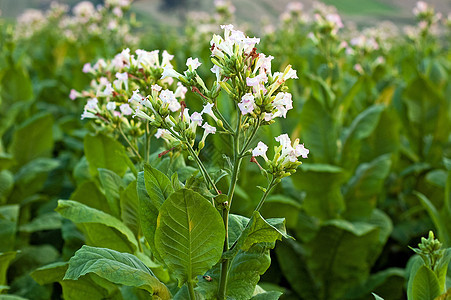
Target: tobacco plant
x=184 y=225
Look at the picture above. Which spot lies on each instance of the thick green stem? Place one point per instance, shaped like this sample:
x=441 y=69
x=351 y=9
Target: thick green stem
x=192 y=295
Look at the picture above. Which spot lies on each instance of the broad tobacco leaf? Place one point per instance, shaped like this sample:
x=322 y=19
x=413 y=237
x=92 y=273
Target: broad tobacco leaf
x=189 y=236
x=116 y=267
x=254 y=238
x=153 y=188
x=100 y=228
x=105 y=152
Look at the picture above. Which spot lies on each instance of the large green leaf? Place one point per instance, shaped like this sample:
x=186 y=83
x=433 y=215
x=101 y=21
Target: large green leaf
x=365 y=186
x=190 y=234
x=319 y=132
x=46 y=221
x=104 y=152
x=259 y=230
x=89 y=286
x=322 y=183
x=33 y=139
x=272 y=295
x=88 y=193
x=6 y=185
x=153 y=189
x=340 y=256
x=89 y=217
x=117 y=267
x=130 y=207
x=112 y=185
x=292 y=261
x=282 y=206
x=5 y=260
x=158 y=185
x=32 y=177
x=9 y=215
x=246 y=267
x=361 y=127
x=425 y=285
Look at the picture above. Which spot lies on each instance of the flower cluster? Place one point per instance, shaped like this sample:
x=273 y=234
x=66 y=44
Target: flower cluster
x=86 y=21
x=285 y=159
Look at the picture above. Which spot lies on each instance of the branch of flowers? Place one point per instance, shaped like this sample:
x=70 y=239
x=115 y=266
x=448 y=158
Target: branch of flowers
x=128 y=142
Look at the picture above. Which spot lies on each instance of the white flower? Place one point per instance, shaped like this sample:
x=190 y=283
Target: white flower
x=122 y=78
x=300 y=150
x=180 y=91
x=260 y=150
x=146 y=59
x=125 y=109
x=156 y=87
x=166 y=61
x=139 y=113
x=111 y=105
x=208 y=110
x=192 y=64
x=247 y=104
x=108 y=91
x=87 y=68
x=196 y=118
x=92 y=104
x=136 y=97
x=209 y=129
x=217 y=71
x=168 y=71
x=169 y=99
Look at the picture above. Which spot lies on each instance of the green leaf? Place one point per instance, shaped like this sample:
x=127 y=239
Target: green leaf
x=80 y=213
x=88 y=193
x=105 y=152
x=158 y=185
x=189 y=235
x=112 y=186
x=53 y=272
x=244 y=273
x=33 y=139
x=292 y=261
x=388 y=283
x=272 y=295
x=322 y=184
x=32 y=177
x=259 y=230
x=47 y=221
x=9 y=215
x=340 y=255
x=365 y=186
x=425 y=285
x=442 y=267
x=6 y=160
x=6 y=185
x=319 y=132
x=376 y=297
x=5 y=260
x=130 y=208
x=11 y=297
x=361 y=127
x=153 y=189
x=119 y=268
x=439 y=222
x=282 y=206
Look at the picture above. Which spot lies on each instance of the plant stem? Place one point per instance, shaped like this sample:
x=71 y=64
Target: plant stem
x=192 y=296
x=265 y=195
x=128 y=141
